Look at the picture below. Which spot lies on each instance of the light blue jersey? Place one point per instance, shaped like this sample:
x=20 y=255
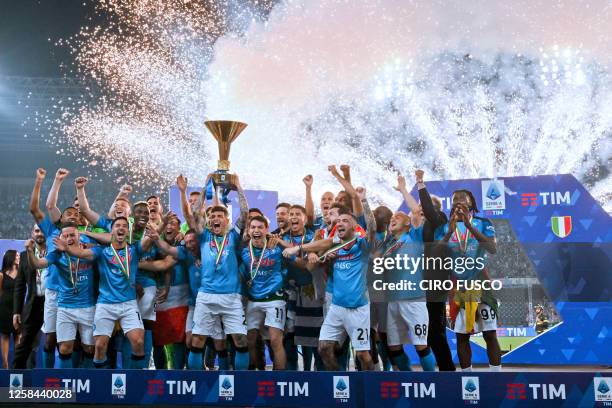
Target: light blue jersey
x=269 y=279
x=115 y=286
x=464 y=245
x=300 y=276
x=51 y=231
x=76 y=288
x=349 y=274
x=194 y=268
x=410 y=244
x=147 y=278
x=220 y=274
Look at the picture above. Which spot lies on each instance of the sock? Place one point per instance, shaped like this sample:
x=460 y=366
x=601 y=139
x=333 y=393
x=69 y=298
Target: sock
x=382 y=351
x=159 y=358
x=87 y=361
x=428 y=361
x=223 y=360
x=148 y=344
x=137 y=362
x=307 y=357
x=49 y=358
x=100 y=363
x=467 y=369
x=241 y=361
x=179 y=354
x=65 y=360
x=495 y=368
x=76 y=358
x=194 y=362
x=400 y=359
x=169 y=356
x=291 y=352
x=126 y=352
x=210 y=354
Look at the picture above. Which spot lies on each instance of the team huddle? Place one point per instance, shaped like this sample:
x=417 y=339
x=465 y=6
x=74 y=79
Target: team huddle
x=303 y=291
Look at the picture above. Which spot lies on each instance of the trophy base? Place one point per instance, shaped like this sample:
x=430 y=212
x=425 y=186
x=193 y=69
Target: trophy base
x=225 y=180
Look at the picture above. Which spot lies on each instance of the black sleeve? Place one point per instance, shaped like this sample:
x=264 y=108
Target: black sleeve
x=20 y=284
x=431 y=214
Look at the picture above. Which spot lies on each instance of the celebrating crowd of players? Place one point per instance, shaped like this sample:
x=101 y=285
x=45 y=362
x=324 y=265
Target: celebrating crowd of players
x=303 y=290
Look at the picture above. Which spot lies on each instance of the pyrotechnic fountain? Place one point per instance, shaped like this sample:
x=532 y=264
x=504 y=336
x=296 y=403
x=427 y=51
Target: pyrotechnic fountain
x=476 y=90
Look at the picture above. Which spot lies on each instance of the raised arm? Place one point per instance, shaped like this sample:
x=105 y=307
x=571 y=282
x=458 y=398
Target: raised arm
x=244 y=206
x=309 y=203
x=369 y=215
x=32 y=259
x=346 y=173
x=181 y=183
x=77 y=251
x=348 y=187
x=408 y=198
x=88 y=213
x=124 y=192
x=51 y=204
x=431 y=214
x=35 y=197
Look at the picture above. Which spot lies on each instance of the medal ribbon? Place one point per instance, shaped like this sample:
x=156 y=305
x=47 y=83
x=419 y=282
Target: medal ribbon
x=124 y=268
x=220 y=249
x=74 y=272
x=336 y=248
x=391 y=248
x=252 y=255
x=462 y=238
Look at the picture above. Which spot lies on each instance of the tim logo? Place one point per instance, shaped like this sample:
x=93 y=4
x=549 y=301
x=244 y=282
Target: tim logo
x=226 y=386
x=538 y=391
x=285 y=389
x=173 y=387
x=342 y=387
x=77 y=385
x=546 y=198
x=16 y=381
x=391 y=389
x=266 y=388
x=470 y=388
x=603 y=389
x=493 y=196
x=118 y=385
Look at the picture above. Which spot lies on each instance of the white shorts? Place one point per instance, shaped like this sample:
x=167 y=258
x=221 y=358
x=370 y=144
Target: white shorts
x=50 y=311
x=189 y=320
x=327 y=303
x=216 y=315
x=147 y=304
x=378 y=316
x=69 y=320
x=486 y=319
x=341 y=320
x=269 y=314
x=107 y=314
x=407 y=323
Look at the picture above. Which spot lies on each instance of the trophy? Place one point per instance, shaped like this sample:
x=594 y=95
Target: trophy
x=225 y=132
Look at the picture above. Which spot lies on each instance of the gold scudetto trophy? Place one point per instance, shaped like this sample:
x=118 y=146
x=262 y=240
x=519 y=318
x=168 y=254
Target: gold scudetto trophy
x=225 y=132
